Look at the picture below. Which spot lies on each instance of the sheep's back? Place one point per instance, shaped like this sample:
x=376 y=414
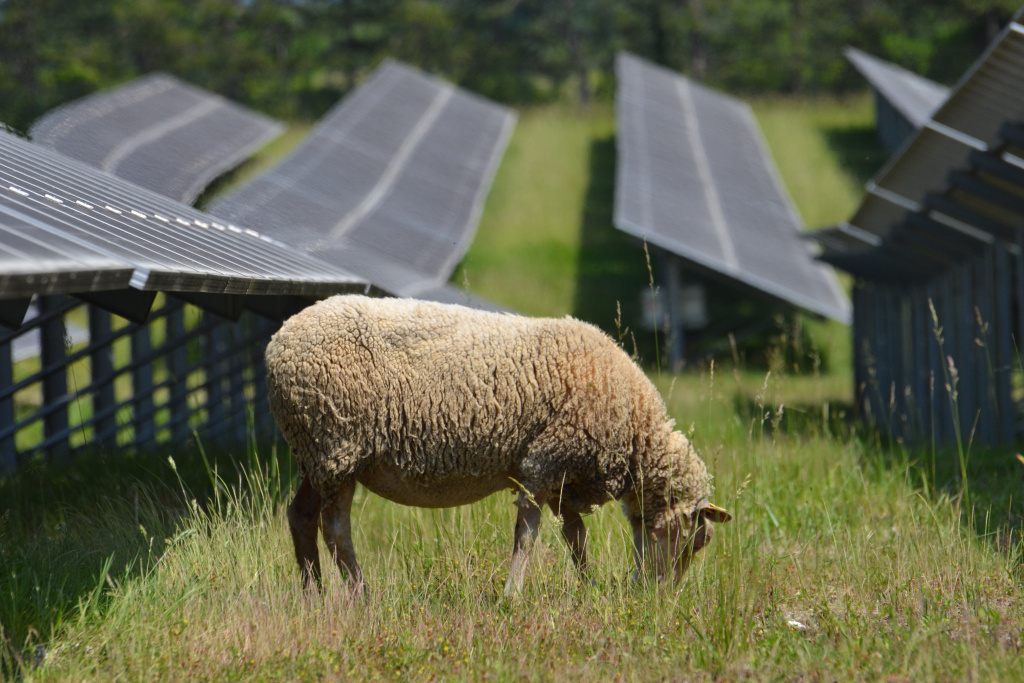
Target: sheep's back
x=439 y=390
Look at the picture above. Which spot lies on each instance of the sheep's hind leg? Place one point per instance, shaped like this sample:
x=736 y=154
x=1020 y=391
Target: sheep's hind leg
x=335 y=516
x=527 y=525
x=574 y=531
x=303 y=520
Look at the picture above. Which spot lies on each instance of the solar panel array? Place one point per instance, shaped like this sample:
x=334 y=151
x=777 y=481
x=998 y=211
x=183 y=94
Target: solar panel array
x=67 y=227
x=158 y=132
x=970 y=120
x=389 y=184
x=694 y=177
x=451 y=294
x=916 y=97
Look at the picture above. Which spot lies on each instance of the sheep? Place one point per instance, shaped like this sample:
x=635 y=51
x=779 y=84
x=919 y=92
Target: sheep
x=436 y=405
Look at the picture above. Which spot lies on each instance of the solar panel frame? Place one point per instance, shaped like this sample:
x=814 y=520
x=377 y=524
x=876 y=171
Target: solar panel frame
x=914 y=96
x=451 y=294
x=36 y=261
x=390 y=184
x=711 y=160
x=167 y=245
x=158 y=132
x=984 y=98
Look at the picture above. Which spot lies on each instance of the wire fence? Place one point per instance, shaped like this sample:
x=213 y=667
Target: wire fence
x=76 y=377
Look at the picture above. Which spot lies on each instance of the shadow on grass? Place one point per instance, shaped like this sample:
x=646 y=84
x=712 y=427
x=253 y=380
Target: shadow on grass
x=858 y=150
x=612 y=267
x=995 y=486
x=825 y=419
x=69 y=531
x=992 y=501
x=995 y=475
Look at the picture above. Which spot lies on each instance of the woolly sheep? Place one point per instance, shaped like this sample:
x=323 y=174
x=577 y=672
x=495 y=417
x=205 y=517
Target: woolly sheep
x=437 y=405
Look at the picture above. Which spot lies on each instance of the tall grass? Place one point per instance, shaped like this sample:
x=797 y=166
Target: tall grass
x=838 y=565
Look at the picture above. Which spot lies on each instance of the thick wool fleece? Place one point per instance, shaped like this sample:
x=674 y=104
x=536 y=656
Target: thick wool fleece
x=442 y=393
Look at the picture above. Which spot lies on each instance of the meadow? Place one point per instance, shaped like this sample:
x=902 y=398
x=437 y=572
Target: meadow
x=849 y=558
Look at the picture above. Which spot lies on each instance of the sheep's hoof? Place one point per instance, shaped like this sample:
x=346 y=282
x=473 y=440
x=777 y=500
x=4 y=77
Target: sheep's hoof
x=357 y=589
x=513 y=588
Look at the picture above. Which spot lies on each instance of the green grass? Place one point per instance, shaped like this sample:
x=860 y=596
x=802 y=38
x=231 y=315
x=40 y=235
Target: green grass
x=527 y=251
x=886 y=578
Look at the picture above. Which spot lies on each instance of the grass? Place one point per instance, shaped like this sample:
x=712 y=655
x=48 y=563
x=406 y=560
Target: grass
x=843 y=563
x=526 y=254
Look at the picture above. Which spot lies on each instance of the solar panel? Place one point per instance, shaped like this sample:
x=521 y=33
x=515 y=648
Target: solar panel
x=34 y=260
x=158 y=132
x=986 y=97
x=87 y=231
x=916 y=97
x=694 y=177
x=389 y=185
x=451 y=294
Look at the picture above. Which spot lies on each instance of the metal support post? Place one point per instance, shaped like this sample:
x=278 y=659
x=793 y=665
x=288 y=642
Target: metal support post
x=675 y=331
x=8 y=452
x=55 y=383
x=102 y=371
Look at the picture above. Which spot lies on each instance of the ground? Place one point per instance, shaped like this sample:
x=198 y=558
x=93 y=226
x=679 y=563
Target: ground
x=848 y=558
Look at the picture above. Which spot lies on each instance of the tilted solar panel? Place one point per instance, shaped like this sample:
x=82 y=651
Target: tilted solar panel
x=389 y=185
x=158 y=132
x=70 y=219
x=451 y=294
x=987 y=96
x=694 y=177
x=34 y=260
x=916 y=97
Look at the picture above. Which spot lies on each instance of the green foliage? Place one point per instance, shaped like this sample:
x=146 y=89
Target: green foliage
x=295 y=58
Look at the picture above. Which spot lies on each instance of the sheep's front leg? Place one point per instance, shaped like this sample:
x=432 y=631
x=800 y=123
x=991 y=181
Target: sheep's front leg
x=527 y=525
x=303 y=520
x=650 y=551
x=335 y=516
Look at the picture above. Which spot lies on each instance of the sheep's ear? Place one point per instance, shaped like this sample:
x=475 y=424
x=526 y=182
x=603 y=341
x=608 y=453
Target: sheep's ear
x=713 y=512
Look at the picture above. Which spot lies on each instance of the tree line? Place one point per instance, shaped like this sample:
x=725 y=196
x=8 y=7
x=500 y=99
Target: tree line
x=295 y=58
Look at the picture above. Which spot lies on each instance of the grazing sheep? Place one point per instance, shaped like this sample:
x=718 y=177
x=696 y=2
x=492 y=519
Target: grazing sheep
x=436 y=405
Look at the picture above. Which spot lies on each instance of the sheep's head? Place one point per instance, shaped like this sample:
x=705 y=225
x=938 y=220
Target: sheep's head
x=676 y=520
x=691 y=515
x=689 y=532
